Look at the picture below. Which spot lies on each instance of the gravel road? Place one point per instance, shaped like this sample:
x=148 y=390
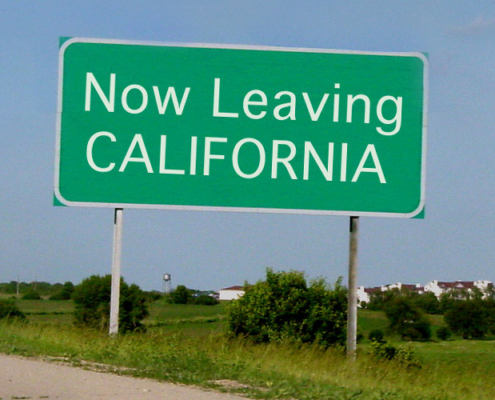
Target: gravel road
x=24 y=378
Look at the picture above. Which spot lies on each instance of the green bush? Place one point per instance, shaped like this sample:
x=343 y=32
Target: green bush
x=380 y=299
x=428 y=302
x=92 y=304
x=9 y=310
x=407 y=320
x=284 y=307
x=444 y=333
x=469 y=318
x=206 y=300
x=65 y=293
x=400 y=355
x=181 y=295
x=153 y=296
x=31 y=295
x=376 y=335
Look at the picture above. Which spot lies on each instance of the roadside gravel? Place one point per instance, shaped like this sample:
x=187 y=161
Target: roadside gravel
x=24 y=378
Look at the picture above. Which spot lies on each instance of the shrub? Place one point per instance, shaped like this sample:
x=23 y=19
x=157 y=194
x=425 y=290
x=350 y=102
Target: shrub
x=65 y=293
x=428 y=302
x=400 y=355
x=92 y=304
x=469 y=318
x=407 y=320
x=181 y=295
x=31 y=295
x=153 y=295
x=444 y=333
x=380 y=299
x=206 y=300
x=376 y=335
x=10 y=311
x=446 y=302
x=284 y=307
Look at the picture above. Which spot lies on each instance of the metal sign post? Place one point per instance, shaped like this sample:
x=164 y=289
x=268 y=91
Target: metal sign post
x=352 y=295
x=117 y=252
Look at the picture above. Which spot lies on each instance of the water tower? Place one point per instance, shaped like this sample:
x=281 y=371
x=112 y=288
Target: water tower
x=167 y=283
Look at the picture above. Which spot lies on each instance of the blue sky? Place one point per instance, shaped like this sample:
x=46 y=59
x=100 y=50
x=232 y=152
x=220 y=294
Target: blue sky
x=210 y=250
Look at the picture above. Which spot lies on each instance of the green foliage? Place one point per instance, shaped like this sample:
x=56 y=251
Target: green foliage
x=380 y=299
x=454 y=370
x=444 y=333
x=469 y=318
x=447 y=301
x=206 y=300
x=65 y=293
x=8 y=288
x=284 y=307
x=92 y=304
x=31 y=295
x=153 y=295
x=401 y=355
x=181 y=295
x=43 y=288
x=428 y=302
x=376 y=335
x=407 y=320
x=10 y=311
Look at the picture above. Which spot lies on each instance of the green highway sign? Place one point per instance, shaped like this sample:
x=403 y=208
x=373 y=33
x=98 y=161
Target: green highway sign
x=239 y=128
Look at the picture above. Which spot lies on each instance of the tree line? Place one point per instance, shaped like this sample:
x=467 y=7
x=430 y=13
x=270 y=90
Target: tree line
x=284 y=306
x=37 y=290
x=470 y=314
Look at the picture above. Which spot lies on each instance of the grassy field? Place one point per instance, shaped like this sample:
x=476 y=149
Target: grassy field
x=188 y=344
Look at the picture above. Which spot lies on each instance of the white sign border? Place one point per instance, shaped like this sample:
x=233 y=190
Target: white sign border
x=65 y=202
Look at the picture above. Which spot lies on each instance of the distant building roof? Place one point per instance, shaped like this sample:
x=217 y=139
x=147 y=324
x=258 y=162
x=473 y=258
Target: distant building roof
x=456 y=285
x=412 y=287
x=233 y=288
x=373 y=290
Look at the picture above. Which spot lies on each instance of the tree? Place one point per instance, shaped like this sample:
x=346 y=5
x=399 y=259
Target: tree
x=469 y=318
x=285 y=307
x=407 y=320
x=31 y=295
x=380 y=299
x=446 y=302
x=64 y=293
x=181 y=295
x=428 y=302
x=92 y=304
x=444 y=333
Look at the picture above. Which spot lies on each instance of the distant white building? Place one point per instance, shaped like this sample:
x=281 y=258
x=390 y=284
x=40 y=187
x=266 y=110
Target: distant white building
x=363 y=295
x=438 y=288
x=231 y=293
x=405 y=286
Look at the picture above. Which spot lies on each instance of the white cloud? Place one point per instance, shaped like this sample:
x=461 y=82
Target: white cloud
x=480 y=24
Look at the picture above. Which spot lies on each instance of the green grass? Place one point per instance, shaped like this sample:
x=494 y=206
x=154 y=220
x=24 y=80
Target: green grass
x=161 y=312
x=45 y=306
x=189 y=320
x=187 y=344
x=370 y=320
x=47 y=311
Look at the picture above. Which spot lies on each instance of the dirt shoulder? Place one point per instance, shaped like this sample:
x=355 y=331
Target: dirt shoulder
x=24 y=378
